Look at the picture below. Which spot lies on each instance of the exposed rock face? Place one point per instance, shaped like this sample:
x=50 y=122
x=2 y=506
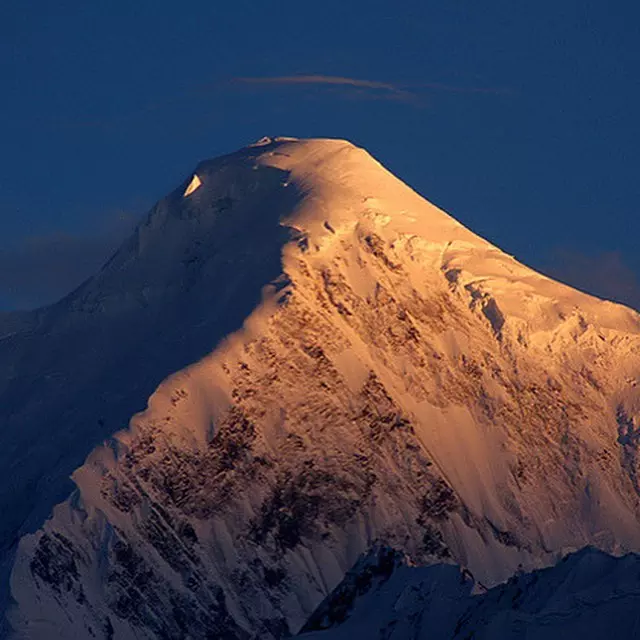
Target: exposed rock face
x=402 y=381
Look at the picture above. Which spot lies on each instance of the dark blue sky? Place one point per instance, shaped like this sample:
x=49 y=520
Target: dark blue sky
x=520 y=119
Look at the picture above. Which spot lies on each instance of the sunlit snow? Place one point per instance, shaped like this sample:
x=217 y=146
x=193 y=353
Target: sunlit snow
x=386 y=374
x=193 y=185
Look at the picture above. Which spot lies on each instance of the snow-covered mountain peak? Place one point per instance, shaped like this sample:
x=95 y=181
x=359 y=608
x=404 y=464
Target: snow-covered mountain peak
x=338 y=183
x=281 y=192
x=339 y=363
x=313 y=193
x=344 y=185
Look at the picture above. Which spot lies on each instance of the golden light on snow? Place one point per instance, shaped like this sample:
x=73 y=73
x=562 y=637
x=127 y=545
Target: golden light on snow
x=463 y=381
x=193 y=185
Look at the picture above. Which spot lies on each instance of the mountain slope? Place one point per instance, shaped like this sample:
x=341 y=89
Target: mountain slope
x=588 y=595
x=402 y=380
x=74 y=373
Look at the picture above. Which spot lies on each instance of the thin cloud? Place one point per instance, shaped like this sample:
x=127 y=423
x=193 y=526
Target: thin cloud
x=381 y=89
x=406 y=91
x=42 y=269
x=317 y=79
x=350 y=88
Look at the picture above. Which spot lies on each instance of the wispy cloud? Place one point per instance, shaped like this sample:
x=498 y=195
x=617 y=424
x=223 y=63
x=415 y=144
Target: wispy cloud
x=318 y=79
x=380 y=89
x=412 y=93
x=41 y=269
x=403 y=91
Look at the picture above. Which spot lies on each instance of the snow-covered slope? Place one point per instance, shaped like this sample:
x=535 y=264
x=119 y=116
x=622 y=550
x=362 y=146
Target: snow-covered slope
x=401 y=380
x=588 y=595
x=74 y=373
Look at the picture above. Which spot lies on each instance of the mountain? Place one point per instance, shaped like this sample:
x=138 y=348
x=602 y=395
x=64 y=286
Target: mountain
x=589 y=595
x=74 y=373
x=398 y=381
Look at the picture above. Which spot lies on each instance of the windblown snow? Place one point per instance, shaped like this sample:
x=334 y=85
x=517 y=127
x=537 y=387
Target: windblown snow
x=352 y=366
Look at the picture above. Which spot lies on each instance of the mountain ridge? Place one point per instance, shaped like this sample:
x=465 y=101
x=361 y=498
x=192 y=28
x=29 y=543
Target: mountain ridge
x=588 y=594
